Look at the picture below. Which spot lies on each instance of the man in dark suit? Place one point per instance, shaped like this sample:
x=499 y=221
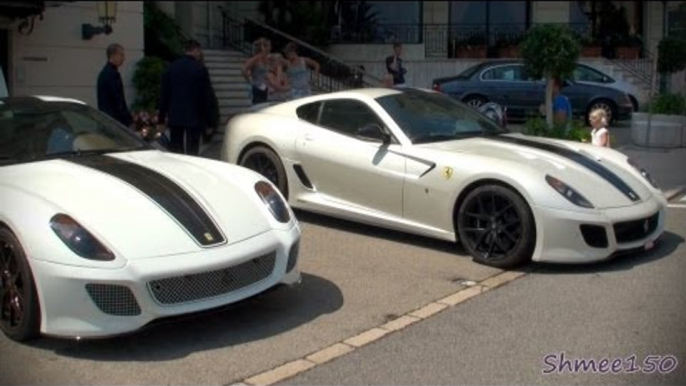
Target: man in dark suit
x=111 y=98
x=185 y=104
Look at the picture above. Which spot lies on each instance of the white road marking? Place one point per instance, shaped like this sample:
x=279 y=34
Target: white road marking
x=677 y=206
x=297 y=366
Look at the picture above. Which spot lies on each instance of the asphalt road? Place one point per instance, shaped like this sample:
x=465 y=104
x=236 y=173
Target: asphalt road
x=355 y=277
x=635 y=305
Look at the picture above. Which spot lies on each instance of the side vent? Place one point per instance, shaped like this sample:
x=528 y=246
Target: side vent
x=302 y=176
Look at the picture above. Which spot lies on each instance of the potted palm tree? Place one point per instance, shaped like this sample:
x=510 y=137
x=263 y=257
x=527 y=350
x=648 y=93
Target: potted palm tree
x=590 y=47
x=473 y=46
x=629 y=47
x=508 y=46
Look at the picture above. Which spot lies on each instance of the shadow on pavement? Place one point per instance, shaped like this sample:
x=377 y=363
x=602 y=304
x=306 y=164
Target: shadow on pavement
x=670 y=242
x=375 y=231
x=263 y=316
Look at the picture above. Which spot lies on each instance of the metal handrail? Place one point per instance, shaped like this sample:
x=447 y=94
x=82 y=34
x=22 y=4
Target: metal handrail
x=335 y=75
x=643 y=69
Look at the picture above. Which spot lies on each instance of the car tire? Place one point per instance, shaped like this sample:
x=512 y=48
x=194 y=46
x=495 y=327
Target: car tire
x=264 y=161
x=605 y=104
x=19 y=308
x=475 y=101
x=496 y=226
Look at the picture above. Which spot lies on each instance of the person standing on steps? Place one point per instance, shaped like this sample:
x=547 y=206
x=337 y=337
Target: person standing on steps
x=298 y=72
x=185 y=104
x=255 y=71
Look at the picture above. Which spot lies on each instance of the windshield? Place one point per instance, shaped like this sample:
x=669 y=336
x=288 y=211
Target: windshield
x=33 y=131
x=432 y=117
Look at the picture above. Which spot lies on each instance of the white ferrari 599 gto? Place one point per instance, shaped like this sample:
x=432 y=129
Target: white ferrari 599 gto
x=420 y=162
x=101 y=234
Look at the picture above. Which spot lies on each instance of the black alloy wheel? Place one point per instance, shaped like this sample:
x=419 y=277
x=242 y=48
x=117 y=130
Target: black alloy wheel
x=265 y=162
x=19 y=313
x=496 y=227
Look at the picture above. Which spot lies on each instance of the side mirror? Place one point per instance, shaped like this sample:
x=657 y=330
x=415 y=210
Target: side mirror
x=567 y=83
x=373 y=132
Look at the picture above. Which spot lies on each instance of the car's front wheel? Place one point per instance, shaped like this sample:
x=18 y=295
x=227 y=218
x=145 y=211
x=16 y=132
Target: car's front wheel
x=496 y=226
x=264 y=161
x=20 y=313
x=607 y=106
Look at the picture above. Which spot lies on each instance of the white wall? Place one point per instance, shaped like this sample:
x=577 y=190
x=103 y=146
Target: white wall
x=54 y=60
x=550 y=11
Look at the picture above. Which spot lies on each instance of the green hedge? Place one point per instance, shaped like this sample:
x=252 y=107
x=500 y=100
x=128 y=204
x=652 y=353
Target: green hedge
x=148 y=80
x=538 y=127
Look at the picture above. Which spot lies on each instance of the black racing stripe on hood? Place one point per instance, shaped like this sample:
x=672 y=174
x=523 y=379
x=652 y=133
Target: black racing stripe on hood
x=187 y=212
x=581 y=159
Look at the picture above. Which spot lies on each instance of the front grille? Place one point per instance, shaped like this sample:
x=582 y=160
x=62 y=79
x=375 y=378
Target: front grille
x=114 y=299
x=634 y=230
x=205 y=285
x=594 y=235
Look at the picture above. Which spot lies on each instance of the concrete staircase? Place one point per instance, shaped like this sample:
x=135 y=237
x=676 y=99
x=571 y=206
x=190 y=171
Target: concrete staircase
x=229 y=85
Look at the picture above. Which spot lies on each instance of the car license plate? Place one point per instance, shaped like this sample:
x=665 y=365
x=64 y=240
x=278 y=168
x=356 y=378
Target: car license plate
x=649 y=245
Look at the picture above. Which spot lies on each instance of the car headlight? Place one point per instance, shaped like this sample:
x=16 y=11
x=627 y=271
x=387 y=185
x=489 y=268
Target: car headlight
x=643 y=172
x=277 y=206
x=78 y=239
x=570 y=194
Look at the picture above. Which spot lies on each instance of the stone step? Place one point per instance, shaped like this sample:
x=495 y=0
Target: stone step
x=232 y=94
x=244 y=102
x=232 y=86
x=224 y=53
x=232 y=110
x=228 y=79
x=212 y=60
x=229 y=71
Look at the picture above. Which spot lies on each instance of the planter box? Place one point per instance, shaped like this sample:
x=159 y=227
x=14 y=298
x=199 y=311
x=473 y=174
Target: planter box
x=591 y=52
x=478 y=52
x=628 y=52
x=666 y=131
x=509 y=52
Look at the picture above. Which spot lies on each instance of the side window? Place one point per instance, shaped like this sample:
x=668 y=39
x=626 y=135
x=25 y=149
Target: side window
x=506 y=73
x=345 y=116
x=309 y=112
x=587 y=74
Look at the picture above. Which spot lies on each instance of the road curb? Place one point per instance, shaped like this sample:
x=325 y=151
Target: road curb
x=673 y=193
x=352 y=343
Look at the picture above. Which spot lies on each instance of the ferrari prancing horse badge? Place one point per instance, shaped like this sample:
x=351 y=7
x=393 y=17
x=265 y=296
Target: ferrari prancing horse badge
x=447 y=172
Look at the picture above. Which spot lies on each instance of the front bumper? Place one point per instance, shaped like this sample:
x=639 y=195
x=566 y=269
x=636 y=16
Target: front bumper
x=624 y=111
x=560 y=239
x=69 y=309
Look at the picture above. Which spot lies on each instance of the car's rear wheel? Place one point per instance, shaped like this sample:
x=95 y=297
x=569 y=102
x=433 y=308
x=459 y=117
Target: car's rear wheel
x=475 y=101
x=496 y=226
x=265 y=162
x=20 y=312
x=605 y=105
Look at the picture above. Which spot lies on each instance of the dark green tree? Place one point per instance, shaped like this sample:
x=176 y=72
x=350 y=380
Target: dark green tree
x=550 y=51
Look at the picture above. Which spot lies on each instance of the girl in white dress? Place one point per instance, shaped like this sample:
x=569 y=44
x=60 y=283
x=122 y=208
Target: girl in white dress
x=600 y=136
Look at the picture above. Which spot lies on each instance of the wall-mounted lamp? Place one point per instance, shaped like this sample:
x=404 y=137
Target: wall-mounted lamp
x=107 y=13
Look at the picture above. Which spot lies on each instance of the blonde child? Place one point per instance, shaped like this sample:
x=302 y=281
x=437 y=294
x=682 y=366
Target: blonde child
x=600 y=136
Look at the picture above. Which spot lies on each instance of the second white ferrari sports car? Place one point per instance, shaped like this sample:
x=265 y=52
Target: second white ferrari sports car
x=417 y=161
x=101 y=234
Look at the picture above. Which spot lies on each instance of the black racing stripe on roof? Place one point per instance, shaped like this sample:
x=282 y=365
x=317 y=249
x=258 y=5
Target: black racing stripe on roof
x=178 y=203
x=579 y=158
